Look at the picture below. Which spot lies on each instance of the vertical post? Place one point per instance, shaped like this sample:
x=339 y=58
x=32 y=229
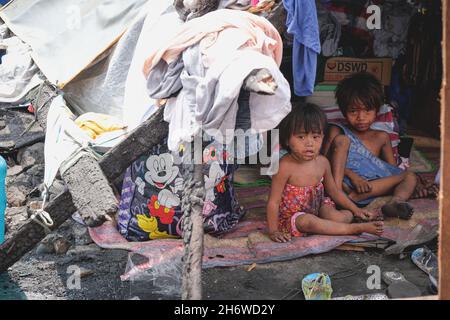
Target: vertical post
x=444 y=196
x=192 y=206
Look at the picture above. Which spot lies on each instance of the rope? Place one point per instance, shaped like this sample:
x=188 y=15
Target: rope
x=45 y=220
x=42 y=217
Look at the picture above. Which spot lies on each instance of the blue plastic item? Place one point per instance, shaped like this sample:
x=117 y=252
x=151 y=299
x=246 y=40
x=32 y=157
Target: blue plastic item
x=317 y=286
x=2 y=198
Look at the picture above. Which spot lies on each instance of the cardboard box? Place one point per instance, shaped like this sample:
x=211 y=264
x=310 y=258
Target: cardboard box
x=338 y=68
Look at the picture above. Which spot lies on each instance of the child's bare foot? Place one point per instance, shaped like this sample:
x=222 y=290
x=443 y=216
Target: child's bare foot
x=375 y=227
x=398 y=209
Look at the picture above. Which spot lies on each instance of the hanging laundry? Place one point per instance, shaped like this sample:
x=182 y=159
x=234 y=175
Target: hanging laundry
x=302 y=23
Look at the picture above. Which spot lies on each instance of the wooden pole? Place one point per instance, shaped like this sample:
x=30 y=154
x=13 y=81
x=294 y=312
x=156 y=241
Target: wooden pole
x=192 y=206
x=444 y=196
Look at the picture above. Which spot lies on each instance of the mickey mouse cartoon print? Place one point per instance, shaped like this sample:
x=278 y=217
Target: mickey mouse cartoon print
x=161 y=173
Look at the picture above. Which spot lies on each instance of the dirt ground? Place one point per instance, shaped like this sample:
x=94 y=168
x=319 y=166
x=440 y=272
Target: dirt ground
x=45 y=276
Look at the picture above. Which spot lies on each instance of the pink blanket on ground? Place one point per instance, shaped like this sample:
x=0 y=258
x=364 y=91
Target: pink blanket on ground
x=248 y=244
x=236 y=248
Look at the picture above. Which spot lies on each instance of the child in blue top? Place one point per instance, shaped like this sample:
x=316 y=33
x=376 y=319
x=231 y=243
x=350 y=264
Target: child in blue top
x=362 y=159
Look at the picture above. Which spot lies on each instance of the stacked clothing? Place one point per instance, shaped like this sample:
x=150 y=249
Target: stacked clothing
x=202 y=67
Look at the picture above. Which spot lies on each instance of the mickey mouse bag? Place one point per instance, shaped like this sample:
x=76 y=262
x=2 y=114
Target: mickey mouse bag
x=150 y=206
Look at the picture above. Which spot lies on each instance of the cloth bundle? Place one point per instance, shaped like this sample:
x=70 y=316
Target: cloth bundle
x=202 y=67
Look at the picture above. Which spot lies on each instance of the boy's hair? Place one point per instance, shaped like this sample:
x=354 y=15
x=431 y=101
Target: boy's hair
x=304 y=116
x=360 y=87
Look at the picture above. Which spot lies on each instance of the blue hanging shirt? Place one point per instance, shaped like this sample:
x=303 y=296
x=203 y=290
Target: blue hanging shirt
x=303 y=24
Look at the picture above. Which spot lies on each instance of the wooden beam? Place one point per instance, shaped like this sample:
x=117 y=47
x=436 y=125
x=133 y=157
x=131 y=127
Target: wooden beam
x=444 y=196
x=91 y=191
x=148 y=134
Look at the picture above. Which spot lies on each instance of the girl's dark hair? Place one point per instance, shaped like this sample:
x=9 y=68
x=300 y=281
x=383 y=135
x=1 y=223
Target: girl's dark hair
x=304 y=116
x=360 y=87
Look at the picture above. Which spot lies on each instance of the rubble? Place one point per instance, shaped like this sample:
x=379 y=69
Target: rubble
x=81 y=251
x=30 y=156
x=14 y=218
x=85 y=272
x=14 y=136
x=16 y=197
x=14 y=171
x=22 y=180
x=61 y=207
x=61 y=245
x=81 y=235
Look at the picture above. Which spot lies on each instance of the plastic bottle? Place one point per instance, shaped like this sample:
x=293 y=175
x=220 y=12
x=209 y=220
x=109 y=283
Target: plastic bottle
x=2 y=198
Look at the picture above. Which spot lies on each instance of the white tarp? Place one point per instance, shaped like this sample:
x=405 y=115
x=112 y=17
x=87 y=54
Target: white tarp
x=68 y=35
x=110 y=79
x=18 y=73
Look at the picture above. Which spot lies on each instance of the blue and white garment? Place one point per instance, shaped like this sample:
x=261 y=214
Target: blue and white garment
x=302 y=23
x=364 y=163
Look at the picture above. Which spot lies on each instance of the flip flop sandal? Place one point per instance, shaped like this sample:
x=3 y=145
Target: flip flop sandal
x=432 y=288
x=427 y=261
x=317 y=286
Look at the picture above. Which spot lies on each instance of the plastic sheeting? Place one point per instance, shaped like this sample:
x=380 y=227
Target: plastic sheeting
x=115 y=85
x=18 y=73
x=67 y=35
x=102 y=88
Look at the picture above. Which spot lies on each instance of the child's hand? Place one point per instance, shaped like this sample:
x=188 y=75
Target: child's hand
x=360 y=184
x=366 y=215
x=279 y=236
